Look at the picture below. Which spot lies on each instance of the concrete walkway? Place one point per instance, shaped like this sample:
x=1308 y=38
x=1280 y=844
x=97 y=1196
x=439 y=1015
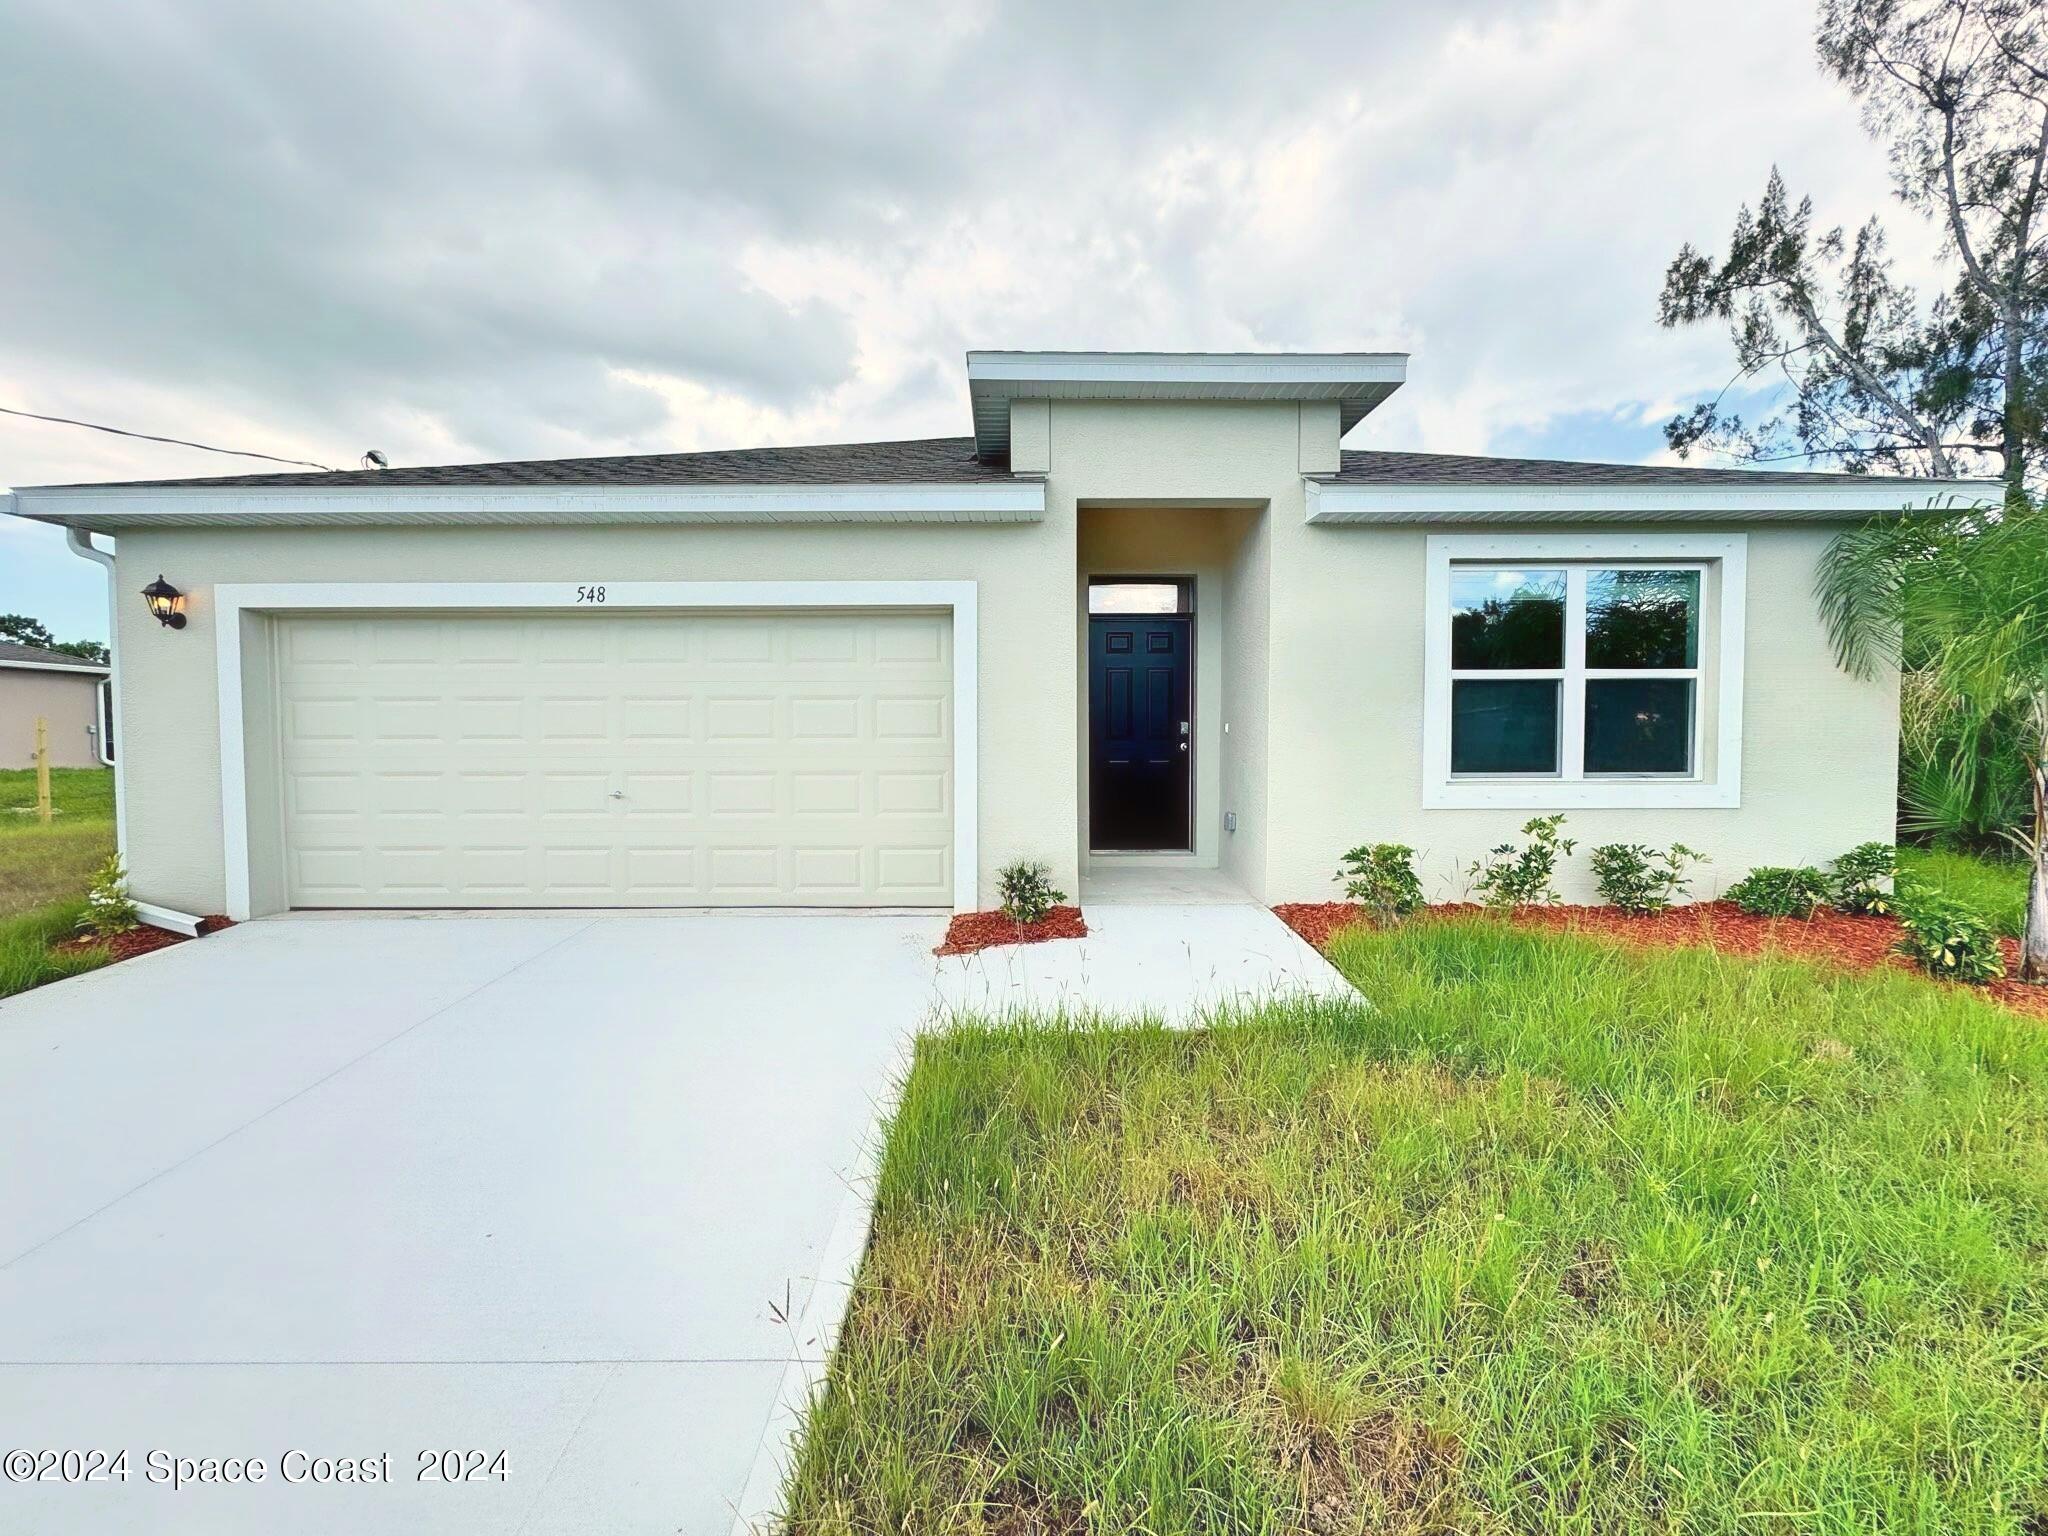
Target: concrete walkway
x=1171 y=944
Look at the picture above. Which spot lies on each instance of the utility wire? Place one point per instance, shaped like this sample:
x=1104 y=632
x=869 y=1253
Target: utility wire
x=149 y=437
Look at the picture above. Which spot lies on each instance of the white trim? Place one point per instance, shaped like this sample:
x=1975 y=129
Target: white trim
x=1722 y=628
x=84 y=669
x=1358 y=381
x=232 y=600
x=200 y=505
x=1759 y=499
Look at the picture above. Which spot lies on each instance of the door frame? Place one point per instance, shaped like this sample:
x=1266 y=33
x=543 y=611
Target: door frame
x=1187 y=613
x=241 y=609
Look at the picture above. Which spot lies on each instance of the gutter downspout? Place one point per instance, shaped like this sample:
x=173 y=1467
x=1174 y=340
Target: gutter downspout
x=80 y=543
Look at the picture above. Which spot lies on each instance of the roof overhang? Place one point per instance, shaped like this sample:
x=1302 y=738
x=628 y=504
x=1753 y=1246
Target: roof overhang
x=111 y=510
x=1357 y=381
x=90 y=669
x=1331 y=502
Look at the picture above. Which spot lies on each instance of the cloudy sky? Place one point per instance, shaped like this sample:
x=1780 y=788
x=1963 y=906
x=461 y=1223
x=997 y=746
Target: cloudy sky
x=520 y=228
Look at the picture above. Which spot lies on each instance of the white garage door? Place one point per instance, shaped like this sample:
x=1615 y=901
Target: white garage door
x=744 y=759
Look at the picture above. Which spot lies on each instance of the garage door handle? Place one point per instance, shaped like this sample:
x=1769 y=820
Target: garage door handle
x=618 y=794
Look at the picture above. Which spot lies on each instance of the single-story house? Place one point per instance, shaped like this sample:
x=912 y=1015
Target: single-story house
x=59 y=689
x=1150 y=611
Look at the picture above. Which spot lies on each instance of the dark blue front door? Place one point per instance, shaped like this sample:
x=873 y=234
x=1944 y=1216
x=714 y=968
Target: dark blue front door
x=1139 y=746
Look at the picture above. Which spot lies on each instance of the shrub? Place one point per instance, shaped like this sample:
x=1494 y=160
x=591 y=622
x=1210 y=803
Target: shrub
x=1381 y=878
x=1771 y=891
x=1027 y=890
x=108 y=908
x=1863 y=878
x=1638 y=879
x=1520 y=877
x=1948 y=938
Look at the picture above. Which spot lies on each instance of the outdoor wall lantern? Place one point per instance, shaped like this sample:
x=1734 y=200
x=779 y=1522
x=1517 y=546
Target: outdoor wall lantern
x=166 y=602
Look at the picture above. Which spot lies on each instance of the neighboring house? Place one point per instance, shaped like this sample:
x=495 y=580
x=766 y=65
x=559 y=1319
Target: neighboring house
x=59 y=689
x=1150 y=611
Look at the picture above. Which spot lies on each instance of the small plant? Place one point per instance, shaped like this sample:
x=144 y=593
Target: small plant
x=1864 y=879
x=1520 y=877
x=1948 y=938
x=1027 y=891
x=1640 y=880
x=1381 y=878
x=109 y=910
x=1772 y=891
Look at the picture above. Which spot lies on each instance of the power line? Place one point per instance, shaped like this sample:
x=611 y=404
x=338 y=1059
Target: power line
x=150 y=437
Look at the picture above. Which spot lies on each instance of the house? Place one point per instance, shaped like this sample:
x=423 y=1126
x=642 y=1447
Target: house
x=1149 y=612
x=59 y=689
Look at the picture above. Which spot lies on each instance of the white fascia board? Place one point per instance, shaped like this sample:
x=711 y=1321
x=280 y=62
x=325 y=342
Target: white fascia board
x=1194 y=369
x=1330 y=502
x=90 y=507
x=83 y=669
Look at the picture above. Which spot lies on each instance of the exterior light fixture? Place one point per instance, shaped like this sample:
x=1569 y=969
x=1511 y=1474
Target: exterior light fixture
x=166 y=602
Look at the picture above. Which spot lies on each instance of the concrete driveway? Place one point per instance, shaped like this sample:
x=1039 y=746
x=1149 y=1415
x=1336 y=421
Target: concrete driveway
x=388 y=1187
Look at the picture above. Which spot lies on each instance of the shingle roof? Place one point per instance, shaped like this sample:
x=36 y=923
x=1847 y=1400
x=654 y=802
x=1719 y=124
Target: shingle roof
x=14 y=654
x=919 y=461
x=1372 y=467
x=952 y=461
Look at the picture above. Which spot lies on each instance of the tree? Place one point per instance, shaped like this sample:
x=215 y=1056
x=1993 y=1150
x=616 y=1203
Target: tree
x=23 y=630
x=1958 y=92
x=1963 y=598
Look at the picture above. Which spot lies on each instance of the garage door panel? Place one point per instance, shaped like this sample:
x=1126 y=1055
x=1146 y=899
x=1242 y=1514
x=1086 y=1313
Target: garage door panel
x=670 y=759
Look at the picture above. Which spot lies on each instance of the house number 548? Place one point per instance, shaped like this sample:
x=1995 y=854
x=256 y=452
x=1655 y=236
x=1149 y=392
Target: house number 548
x=590 y=594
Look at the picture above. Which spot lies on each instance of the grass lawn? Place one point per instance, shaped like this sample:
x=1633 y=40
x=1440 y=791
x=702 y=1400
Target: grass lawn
x=1552 y=1235
x=44 y=870
x=1997 y=887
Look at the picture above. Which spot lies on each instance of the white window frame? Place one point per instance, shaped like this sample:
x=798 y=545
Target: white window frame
x=1716 y=779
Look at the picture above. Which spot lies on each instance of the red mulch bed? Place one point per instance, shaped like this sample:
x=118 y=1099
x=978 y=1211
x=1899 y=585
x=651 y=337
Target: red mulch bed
x=971 y=931
x=141 y=940
x=1860 y=943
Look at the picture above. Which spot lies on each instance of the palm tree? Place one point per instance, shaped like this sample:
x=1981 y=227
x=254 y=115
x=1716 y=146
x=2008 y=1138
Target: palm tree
x=1962 y=597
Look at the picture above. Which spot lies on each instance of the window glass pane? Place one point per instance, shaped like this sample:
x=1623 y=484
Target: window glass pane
x=1503 y=619
x=1642 y=618
x=1504 y=727
x=1639 y=725
x=1134 y=597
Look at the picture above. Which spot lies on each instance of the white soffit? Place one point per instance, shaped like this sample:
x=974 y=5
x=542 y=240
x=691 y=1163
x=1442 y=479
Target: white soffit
x=1357 y=381
x=1019 y=501
x=1761 y=501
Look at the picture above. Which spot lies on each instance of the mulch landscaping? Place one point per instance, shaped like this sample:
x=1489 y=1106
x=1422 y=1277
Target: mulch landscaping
x=140 y=940
x=972 y=931
x=1838 y=938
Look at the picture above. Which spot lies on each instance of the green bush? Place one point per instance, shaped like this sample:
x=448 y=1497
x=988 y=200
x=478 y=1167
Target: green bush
x=1520 y=877
x=108 y=908
x=1381 y=878
x=1028 y=893
x=1772 y=891
x=1864 y=879
x=1639 y=879
x=1948 y=938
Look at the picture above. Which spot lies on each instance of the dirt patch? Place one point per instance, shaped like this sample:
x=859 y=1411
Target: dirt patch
x=140 y=940
x=972 y=931
x=1837 y=938
x=1589 y=1277
x=1388 y=1473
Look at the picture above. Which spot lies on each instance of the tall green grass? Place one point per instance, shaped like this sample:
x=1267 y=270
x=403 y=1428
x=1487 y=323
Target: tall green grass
x=1541 y=1235
x=26 y=958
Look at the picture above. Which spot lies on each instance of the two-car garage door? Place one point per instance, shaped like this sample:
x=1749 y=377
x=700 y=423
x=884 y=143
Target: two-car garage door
x=658 y=759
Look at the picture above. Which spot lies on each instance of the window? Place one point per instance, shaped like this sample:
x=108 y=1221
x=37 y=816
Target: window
x=1140 y=595
x=1583 y=671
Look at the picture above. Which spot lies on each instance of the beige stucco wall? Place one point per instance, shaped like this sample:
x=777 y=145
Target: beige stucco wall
x=69 y=701
x=1024 y=575
x=1820 y=749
